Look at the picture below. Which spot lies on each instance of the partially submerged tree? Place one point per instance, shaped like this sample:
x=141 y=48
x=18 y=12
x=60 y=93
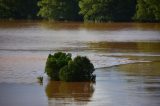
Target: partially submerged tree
x=60 y=66
x=80 y=69
x=55 y=63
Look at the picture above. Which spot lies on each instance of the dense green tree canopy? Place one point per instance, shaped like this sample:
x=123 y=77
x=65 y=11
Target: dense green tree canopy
x=18 y=9
x=60 y=66
x=59 y=9
x=148 y=10
x=78 y=10
x=107 y=10
x=80 y=69
x=55 y=63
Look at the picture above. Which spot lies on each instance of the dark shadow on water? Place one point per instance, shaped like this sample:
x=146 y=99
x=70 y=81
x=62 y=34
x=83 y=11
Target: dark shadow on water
x=70 y=93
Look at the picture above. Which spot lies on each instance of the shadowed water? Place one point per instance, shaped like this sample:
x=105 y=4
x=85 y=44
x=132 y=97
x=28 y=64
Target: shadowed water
x=126 y=57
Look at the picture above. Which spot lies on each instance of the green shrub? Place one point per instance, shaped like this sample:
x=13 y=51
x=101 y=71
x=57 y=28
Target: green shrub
x=55 y=63
x=60 y=66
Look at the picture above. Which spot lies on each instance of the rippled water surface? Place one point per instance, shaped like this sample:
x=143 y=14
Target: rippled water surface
x=126 y=57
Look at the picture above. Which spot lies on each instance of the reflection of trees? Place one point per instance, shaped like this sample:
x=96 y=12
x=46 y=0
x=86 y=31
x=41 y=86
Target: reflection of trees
x=148 y=47
x=145 y=75
x=126 y=46
x=147 y=69
x=114 y=46
x=60 y=25
x=69 y=92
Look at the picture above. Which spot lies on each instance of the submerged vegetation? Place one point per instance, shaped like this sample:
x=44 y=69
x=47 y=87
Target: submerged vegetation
x=60 y=66
x=40 y=79
x=78 y=10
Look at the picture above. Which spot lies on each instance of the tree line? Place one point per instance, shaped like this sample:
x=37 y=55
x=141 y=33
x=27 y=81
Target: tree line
x=82 y=10
x=18 y=9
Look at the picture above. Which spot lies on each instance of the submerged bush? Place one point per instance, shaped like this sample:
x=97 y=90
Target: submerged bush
x=80 y=69
x=55 y=63
x=60 y=66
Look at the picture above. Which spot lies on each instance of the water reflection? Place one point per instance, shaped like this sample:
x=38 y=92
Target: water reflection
x=135 y=84
x=144 y=80
x=79 y=25
x=148 y=69
x=61 y=25
x=121 y=26
x=99 y=26
x=25 y=45
x=69 y=93
x=152 y=47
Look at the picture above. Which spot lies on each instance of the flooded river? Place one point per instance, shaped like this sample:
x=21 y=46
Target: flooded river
x=126 y=57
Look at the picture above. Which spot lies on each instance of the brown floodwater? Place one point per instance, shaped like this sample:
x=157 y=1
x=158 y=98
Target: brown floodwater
x=126 y=57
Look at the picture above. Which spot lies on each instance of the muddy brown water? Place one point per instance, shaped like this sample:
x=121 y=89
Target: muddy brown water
x=126 y=57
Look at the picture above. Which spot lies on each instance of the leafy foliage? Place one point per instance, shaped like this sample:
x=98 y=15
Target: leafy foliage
x=107 y=10
x=55 y=63
x=60 y=66
x=148 y=10
x=78 y=10
x=59 y=9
